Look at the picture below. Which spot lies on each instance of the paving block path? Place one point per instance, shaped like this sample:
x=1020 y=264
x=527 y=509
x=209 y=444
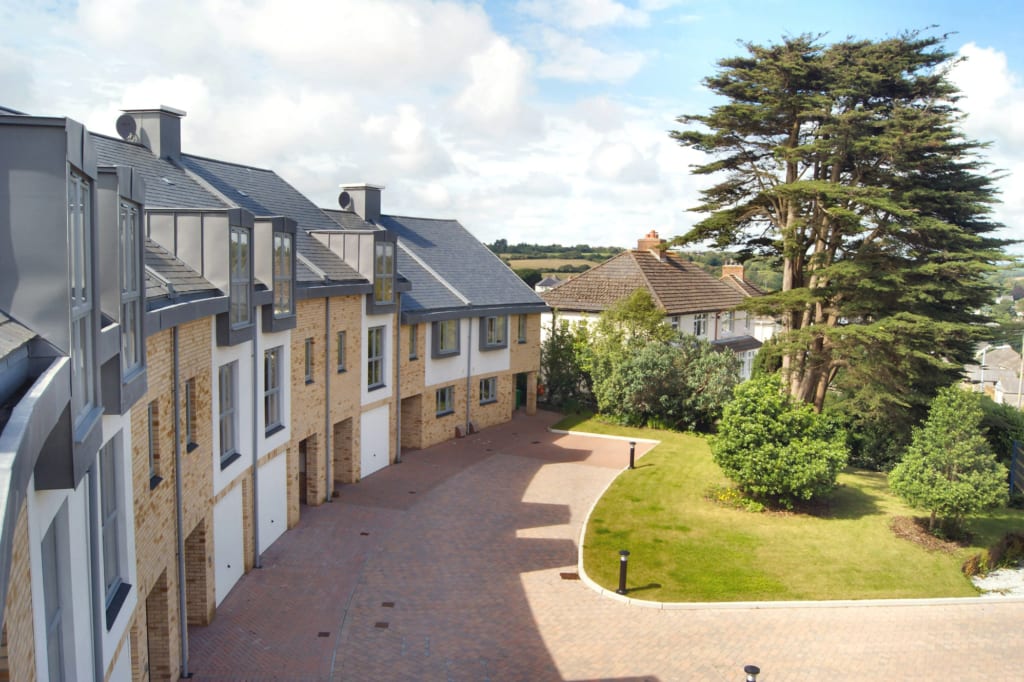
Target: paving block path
x=448 y=567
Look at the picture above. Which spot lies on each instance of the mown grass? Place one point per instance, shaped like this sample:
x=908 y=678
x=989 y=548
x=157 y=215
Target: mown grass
x=684 y=547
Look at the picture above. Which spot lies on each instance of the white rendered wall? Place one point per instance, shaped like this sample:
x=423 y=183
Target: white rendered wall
x=385 y=391
x=265 y=342
x=244 y=387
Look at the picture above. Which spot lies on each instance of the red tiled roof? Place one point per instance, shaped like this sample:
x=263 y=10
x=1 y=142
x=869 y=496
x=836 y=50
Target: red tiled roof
x=677 y=286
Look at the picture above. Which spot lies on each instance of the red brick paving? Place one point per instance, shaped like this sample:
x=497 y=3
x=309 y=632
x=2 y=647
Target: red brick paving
x=459 y=579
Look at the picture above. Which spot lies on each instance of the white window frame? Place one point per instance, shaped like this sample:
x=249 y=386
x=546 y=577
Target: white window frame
x=488 y=390
x=114 y=559
x=375 y=358
x=284 y=293
x=273 y=396
x=700 y=324
x=730 y=321
x=239 y=257
x=444 y=401
x=57 y=601
x=131 y=289
x=227 y=395
x=383 y=273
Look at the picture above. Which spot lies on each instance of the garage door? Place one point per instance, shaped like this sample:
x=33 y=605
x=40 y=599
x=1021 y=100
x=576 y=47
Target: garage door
x=227 y=543
x=273 y=487
x=374 y=440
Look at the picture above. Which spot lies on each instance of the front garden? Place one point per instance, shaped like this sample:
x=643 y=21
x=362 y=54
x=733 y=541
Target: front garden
x=691 y=539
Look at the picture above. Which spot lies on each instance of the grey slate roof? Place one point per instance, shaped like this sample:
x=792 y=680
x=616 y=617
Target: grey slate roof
x=737 y=344
x=264 y=193
x=7 y=111
x=458 y=257
x=167 y=185
x=12 y=335
x=183 y=281
x=427 y=293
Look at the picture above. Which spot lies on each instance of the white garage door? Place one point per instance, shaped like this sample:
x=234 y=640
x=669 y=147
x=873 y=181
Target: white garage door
x=227 y=543
x=273 y=487
x=374 y=440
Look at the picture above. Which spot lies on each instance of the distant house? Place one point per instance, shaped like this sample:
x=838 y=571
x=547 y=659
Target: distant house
x=996 y=374
x=546 y=284
x=694 y=302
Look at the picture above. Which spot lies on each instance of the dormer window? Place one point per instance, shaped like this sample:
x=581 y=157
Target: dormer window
x=384 y=273
x=284 y=301
x=240 y=279
x=83 y=383
x=131 y=289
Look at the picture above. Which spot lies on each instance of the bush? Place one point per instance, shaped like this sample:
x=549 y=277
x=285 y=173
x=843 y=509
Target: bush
x=777 y=448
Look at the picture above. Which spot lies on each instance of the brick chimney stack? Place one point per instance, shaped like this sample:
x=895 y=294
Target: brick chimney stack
x=732 y=268
x=650 y=243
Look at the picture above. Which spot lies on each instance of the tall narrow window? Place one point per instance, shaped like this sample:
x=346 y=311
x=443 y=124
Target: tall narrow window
x=384 y=273
x=308 y=362
x=375 y=357
x=272 y=389
x=446 y=338
x=83 y=383
x=282 y=266
x=227 y=390
x=153 y=441
x=110 y=522
x=131 y=290
x=700 y=324
x=239 y=273
x=414 y=341
x=341 y=351
x=190 y=415
x=730 y=321
x=55 y=597
x=521 y=335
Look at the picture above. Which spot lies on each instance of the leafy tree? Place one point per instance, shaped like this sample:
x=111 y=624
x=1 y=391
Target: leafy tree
x=949 y=468
x=682 y=384
x=565 y=381
x=775 y=447
x=846 y=163
x=1001 y=424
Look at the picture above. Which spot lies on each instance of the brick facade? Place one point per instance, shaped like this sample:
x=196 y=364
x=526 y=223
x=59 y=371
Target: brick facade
x=21 y=643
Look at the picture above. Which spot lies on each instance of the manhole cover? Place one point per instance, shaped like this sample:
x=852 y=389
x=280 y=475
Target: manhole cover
x=381 y=625
x=323 y=634
x=364 y=533
x=388 y=604
x=569 y=576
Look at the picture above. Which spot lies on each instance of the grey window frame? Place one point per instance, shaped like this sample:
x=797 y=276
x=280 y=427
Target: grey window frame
x=375 y=358
x=492 y=392
x=190 y=415
x=521 y=329
x=340 y=350
x=383 y=273
x=83 y=375
x=493 y=332
x=131 y=288
x=414 y=341
x=227 y=410
x=444 y=401
x=240 y=278
x=153 y=442
x=437 y=329
x=56 y=599
x=308 y=360
x=273 y=393
x=283 y=274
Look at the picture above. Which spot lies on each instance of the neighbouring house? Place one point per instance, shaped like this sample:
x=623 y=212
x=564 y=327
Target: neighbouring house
x=190 y=352
x=996 y=374
x=694 y=302
x=470 y=327
x=547 y=284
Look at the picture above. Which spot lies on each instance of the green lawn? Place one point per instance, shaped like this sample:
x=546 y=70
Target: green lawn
x=685 y=548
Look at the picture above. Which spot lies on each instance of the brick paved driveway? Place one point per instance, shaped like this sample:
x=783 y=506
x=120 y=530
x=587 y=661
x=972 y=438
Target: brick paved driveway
x=447 y=567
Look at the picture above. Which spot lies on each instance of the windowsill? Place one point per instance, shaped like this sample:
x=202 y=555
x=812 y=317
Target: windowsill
x=116 y=602
x=191 y=446
x=413 y=357
x=273 y=429
x=154 y=481
x=444 y=414
x=225 y=462
x=520 y=340
x=375 y=387
x=493 y=346
x=309 y=381
x=489 y=402
x=341 y=370
x=446 y=353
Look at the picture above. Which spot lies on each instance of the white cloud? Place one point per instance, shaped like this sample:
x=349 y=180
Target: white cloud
x=584 y=14
x=572 y=59
x=498 y=84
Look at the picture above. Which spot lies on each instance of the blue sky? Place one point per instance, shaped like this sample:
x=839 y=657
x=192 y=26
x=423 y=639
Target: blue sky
x=528 y=120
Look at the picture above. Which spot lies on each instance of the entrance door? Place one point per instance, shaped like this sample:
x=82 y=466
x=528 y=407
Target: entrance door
x=302 y=470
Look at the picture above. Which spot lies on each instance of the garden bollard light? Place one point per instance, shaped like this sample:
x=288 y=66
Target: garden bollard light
x=752 y=672
x=623 y=562
x=632 y=450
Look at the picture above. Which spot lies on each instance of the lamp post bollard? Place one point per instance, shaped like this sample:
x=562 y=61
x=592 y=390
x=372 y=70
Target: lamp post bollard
x=623 y=563
x=752 y=672
x=632 y=451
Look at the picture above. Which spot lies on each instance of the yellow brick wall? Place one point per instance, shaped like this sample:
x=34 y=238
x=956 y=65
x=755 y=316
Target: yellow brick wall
x=497 y=412
x=411 y=371
x=524 y=357
x=307 y=408
x=439 y=429
x=18 y=610
x=346 y=315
